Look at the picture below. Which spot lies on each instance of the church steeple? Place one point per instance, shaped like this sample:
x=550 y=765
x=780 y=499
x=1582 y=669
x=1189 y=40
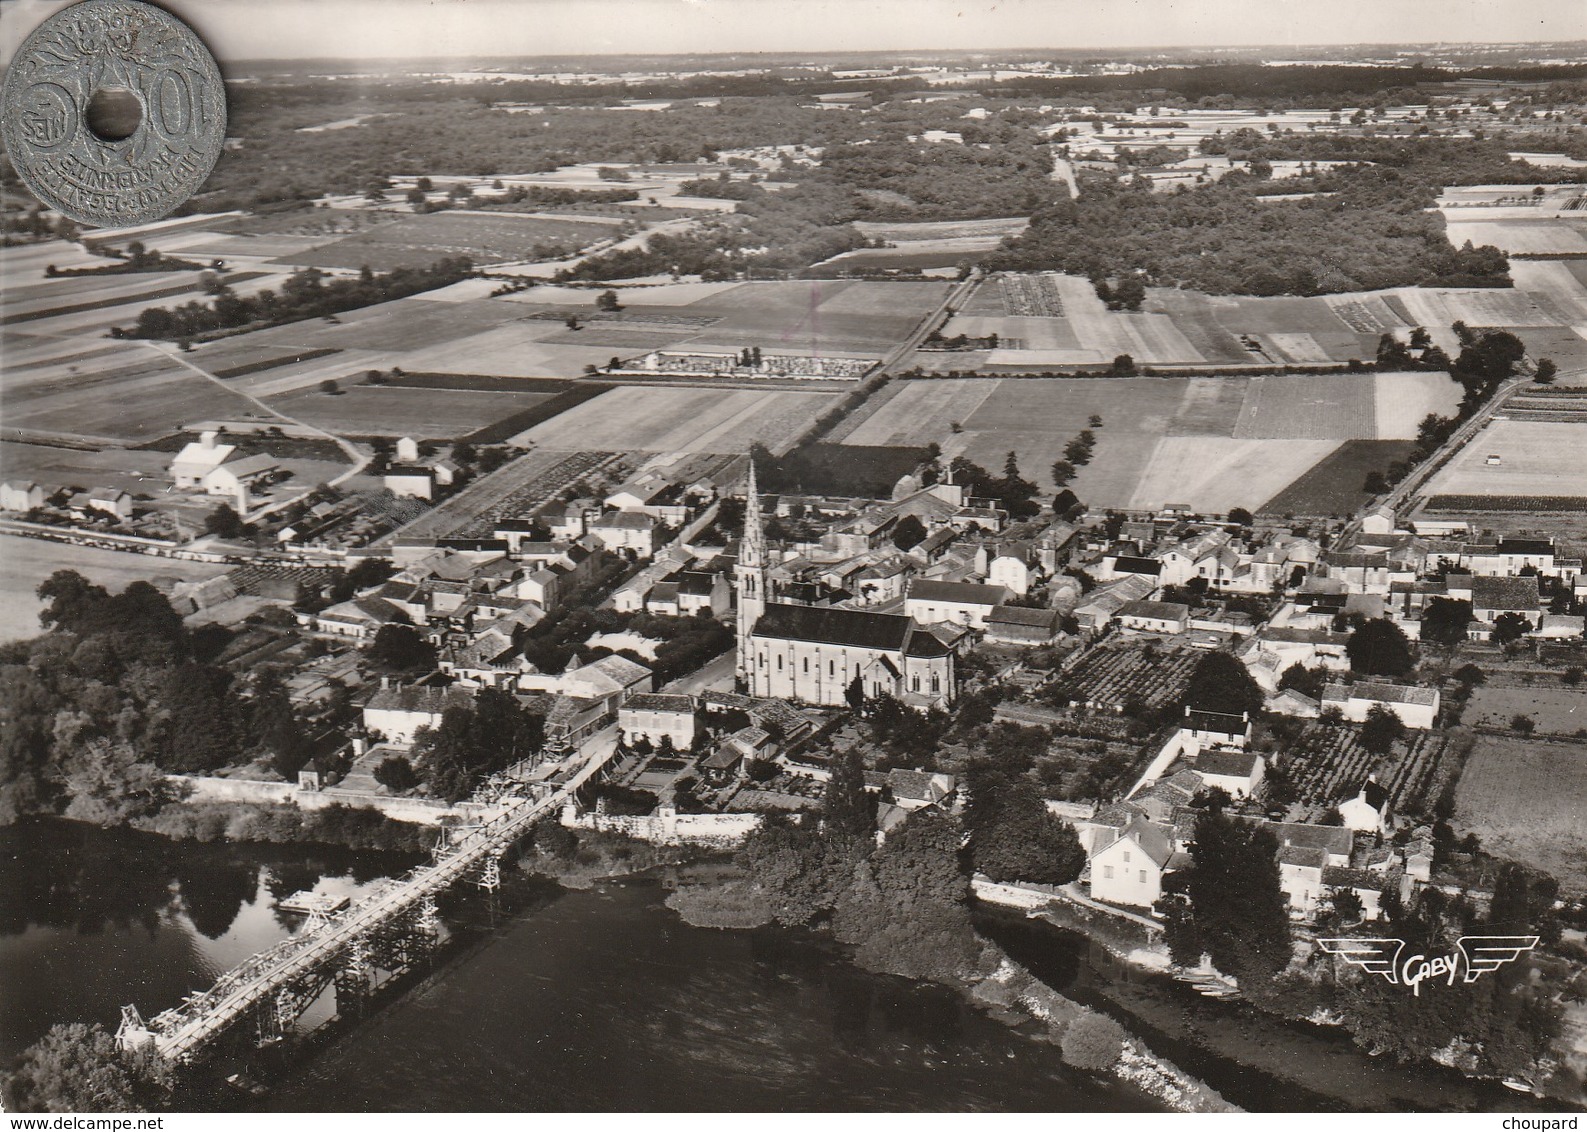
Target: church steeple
x=752 y=549
x=750 y=575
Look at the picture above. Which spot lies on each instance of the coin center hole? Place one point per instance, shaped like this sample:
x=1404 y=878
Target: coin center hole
x=114 y=114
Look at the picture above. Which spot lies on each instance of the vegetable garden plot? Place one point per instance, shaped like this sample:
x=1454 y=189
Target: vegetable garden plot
x=1113 y=677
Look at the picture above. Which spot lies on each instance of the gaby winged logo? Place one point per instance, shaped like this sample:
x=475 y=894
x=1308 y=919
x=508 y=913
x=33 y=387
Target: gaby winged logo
x=1474 y=955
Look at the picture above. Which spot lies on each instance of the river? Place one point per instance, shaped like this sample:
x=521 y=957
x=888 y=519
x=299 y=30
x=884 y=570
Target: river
x=550 y=1000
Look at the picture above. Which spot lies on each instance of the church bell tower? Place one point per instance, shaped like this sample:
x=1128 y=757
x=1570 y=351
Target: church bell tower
x=750 y=576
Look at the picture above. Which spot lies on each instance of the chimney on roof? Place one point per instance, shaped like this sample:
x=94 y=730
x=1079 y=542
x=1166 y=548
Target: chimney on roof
x=207 y=438
x=385 y=683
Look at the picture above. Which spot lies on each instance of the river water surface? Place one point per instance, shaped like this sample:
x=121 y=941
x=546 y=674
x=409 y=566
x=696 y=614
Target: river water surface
x=551 y=1000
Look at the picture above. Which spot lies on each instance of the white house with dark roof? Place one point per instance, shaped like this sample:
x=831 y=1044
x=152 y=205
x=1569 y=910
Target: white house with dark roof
x=626 y=530
x=1237 y=773
x=1166 y=617
x=399 y=713
x=1416 y=707
x=961 y=603
x=652 y=715
x=239 y=478
x=110 y=501
x=1129 y=869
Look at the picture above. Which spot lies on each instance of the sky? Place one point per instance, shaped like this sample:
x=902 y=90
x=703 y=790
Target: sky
x=295 y=29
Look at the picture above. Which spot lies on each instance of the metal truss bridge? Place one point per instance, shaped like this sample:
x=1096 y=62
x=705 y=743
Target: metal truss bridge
x=388 y=929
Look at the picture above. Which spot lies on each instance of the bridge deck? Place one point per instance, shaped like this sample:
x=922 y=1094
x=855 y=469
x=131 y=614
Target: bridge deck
x=201 y=1022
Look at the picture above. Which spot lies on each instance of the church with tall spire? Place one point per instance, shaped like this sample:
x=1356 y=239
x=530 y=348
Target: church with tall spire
x=814 y=654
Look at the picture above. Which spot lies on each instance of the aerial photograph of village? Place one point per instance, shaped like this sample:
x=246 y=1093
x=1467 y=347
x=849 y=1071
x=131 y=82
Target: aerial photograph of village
x=1011 y=569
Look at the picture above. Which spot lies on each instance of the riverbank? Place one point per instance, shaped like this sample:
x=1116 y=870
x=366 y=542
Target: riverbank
x=1260 y=1061
x=1086 y=1039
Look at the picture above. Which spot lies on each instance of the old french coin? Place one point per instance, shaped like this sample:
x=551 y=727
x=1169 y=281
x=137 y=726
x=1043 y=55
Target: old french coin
x=113 y=112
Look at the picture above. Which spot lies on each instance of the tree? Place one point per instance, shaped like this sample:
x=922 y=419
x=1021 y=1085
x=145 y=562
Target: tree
x=607 y=301
x=1062 y=472
x=1379 y=648
x=330 y=387
x=1013 y=836
x=1241 y=517
x=1522 y=724
x=1546 y=371
x=1123 y=366
x=401 y=648
x=396 y=774
x=1469 y=675
x=1095 y=421
x=1093 y=1042
x=74 y=1068
x=909 y=532
x=1381 y=730
x=1240 y=910
x=1221 y=683
x=1444 y=621
x=108 y=786
x=224 y=522
x=854 y=694
x=846 y=806
x=1510 y=627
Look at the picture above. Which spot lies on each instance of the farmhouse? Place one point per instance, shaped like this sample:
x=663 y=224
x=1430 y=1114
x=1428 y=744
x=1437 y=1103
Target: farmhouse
x=110 y=501
x=238 y=477
x=1368 y=811
x=410 y=482
x=626 y=530
x=198 y=458
x=1416 y=707
x=1237 y=773
x=916 y=789
x=1493 y=596
x=21 y=495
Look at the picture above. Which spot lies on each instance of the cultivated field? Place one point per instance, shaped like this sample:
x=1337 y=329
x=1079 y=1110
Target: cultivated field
x=1541 y=237
x=418 y=241
x=1215 y=474
x=1110 y=678
x=25 y=562
x=146 y=396
x=368 y=410
x=1062 y=324
x=1523 y=799
x=680 y=419
x=1333 y=485
x=1536 y=458
x=1556 y=710
x=1214 y=442
x=1327 y=764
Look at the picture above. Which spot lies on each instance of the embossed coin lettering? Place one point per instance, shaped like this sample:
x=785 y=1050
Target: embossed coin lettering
x=113 y=112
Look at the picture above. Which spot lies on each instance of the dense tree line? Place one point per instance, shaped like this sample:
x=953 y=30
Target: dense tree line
x=772 y=232
x=118 y=691
x=903 y=906
x=1222 y=238
x=306 y=293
